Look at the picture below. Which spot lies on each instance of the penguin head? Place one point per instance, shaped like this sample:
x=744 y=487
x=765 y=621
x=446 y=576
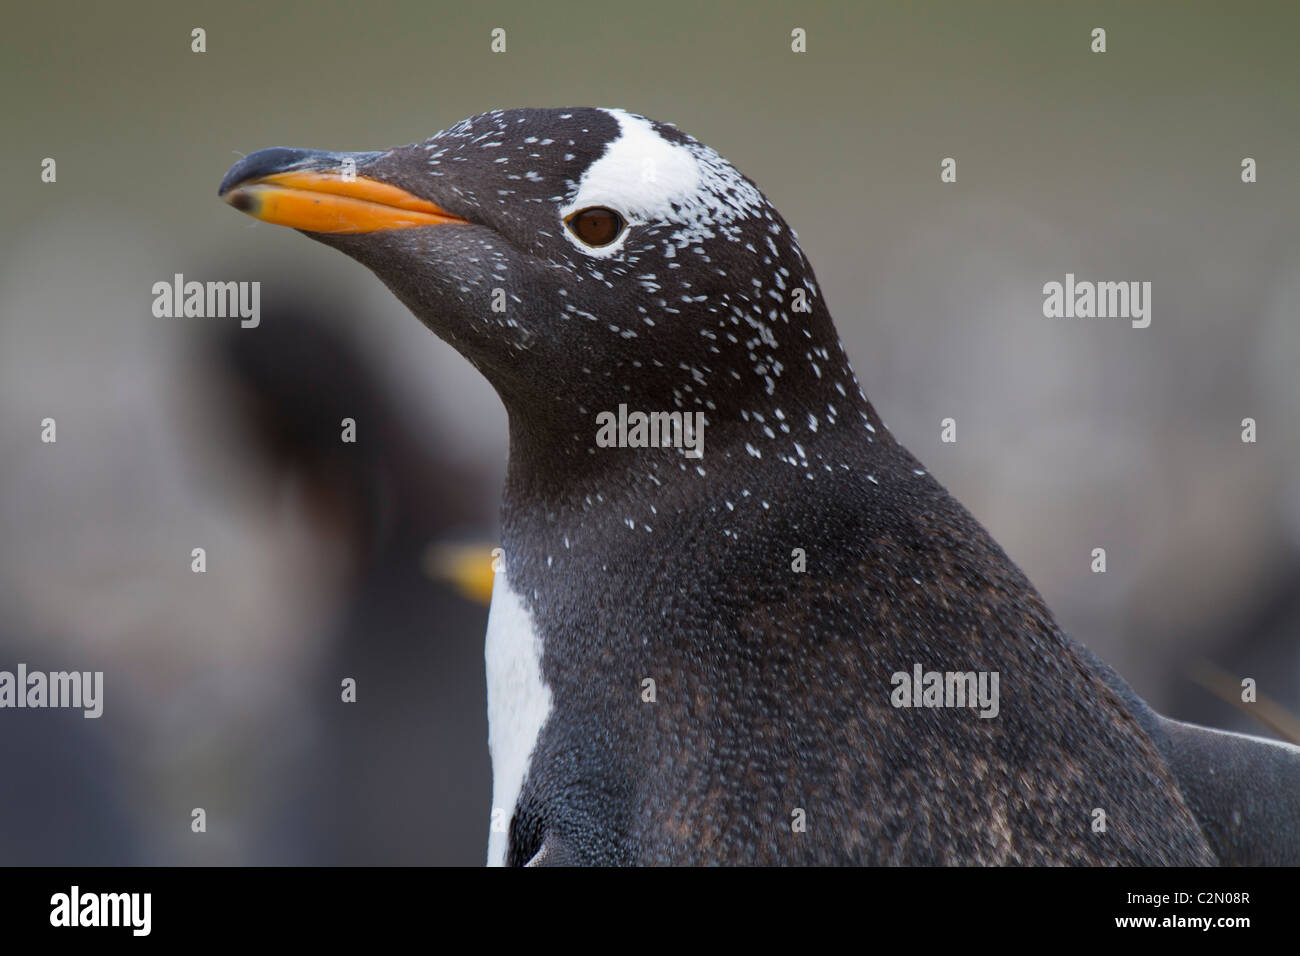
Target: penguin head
x=579 y=257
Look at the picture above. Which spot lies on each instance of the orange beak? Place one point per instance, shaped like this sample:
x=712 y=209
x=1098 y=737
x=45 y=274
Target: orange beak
x=330 y=200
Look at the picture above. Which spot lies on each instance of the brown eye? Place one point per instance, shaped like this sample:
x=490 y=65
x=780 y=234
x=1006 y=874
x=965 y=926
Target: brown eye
x=596 y=226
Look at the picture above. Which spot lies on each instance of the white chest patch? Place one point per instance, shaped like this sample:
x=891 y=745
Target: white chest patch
x=518 y=704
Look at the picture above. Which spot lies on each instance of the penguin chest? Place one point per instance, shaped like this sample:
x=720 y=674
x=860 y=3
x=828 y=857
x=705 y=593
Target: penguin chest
x=518 y=704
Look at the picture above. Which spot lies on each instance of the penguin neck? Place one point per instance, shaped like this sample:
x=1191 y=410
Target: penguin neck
x=753 y=441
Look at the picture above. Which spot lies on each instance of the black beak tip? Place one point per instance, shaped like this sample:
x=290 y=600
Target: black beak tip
x=241 y=201
x=268 y=162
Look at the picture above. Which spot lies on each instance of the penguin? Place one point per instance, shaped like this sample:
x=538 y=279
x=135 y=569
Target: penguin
x=735 y=643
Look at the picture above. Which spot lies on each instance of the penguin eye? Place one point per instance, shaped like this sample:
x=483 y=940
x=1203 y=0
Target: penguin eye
x=596 y=226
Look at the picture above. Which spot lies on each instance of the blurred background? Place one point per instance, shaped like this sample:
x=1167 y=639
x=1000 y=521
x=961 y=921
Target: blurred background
x=327 y=561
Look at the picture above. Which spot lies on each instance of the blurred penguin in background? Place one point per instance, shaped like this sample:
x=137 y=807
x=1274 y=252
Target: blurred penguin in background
x=400 y=774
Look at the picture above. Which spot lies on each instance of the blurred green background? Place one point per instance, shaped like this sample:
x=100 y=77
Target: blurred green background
x=180 y=433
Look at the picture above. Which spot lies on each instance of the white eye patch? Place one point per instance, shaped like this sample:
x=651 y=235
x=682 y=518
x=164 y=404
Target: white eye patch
x=639 y=176
x=648 y=179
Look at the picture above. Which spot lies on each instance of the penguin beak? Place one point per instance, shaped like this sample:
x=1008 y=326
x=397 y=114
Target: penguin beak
x=318 y=191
